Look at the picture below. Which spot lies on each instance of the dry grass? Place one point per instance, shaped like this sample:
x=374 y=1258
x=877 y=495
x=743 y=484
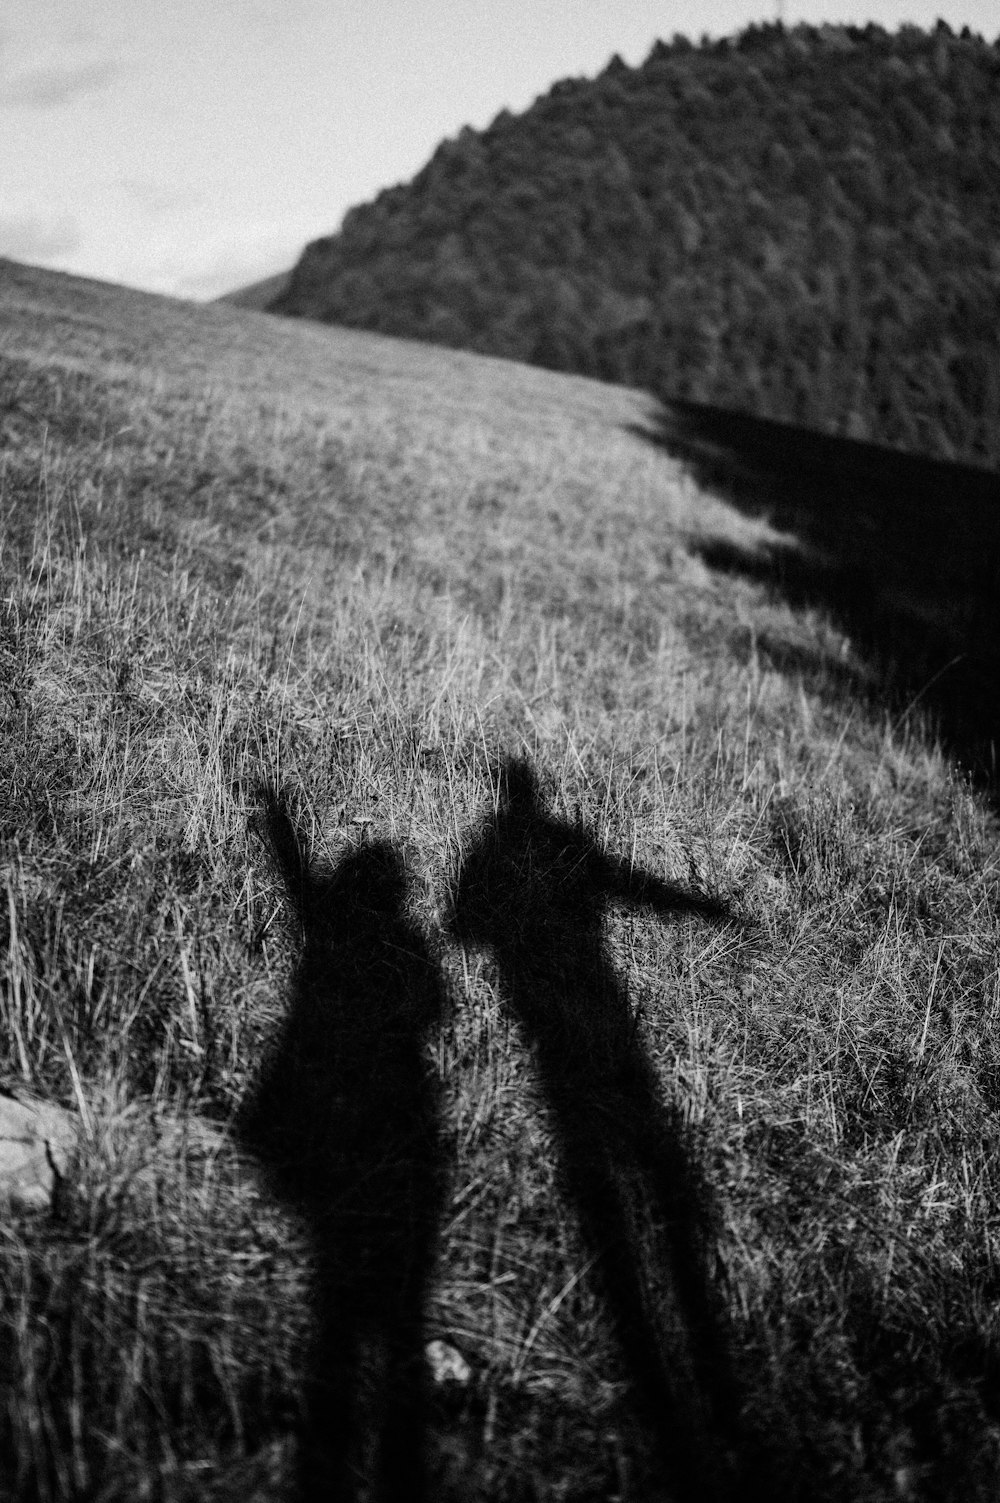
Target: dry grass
x=234 y=548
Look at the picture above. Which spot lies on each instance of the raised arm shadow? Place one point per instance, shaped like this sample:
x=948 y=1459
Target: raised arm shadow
x=345 y=1117
x=532 y=889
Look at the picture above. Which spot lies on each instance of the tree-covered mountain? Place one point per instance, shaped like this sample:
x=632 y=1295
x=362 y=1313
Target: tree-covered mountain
x=803 y=224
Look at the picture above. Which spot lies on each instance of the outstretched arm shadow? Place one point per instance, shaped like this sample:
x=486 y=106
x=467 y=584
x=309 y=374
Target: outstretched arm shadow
x=345 y=1118
x=532 y=890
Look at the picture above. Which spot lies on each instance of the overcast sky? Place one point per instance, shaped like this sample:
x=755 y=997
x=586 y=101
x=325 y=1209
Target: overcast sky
x=192 y=146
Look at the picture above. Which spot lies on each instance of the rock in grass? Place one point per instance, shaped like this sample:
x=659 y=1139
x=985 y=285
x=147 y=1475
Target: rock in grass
x=446 y=1363
x=37 y=1139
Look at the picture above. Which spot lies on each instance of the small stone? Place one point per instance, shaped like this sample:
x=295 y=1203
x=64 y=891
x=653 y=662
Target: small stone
x=446 y=1363
x=37 y=1139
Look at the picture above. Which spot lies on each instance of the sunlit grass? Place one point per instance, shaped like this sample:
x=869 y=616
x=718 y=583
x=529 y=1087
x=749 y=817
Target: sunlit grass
x=235 y=548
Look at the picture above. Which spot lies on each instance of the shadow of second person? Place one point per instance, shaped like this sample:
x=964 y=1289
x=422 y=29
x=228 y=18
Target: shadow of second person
x=532 y=890
x=345 y=1118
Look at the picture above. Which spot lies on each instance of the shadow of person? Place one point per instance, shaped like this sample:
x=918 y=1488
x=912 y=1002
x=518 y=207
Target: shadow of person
x=345 y=1118
x=532 y=890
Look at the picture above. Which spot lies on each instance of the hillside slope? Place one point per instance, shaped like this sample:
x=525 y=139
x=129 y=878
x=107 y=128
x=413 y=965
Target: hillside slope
x=455 y=908
x=802 y=225
x=258 y=295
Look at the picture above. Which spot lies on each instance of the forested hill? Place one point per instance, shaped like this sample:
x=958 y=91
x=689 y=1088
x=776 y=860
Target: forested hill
x=803 y=224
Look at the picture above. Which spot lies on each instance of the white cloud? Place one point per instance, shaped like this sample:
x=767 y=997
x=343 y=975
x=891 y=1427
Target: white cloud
x=49 y=85
x=38 y=237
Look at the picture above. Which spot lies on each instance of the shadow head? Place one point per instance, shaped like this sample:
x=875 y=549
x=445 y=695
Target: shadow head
x=373 y=877
x=517 y=786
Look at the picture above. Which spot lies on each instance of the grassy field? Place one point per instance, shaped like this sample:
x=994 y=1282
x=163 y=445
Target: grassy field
x=456 y=911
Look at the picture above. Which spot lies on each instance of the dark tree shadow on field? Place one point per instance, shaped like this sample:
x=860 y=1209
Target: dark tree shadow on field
x=345 y=1118
x=903 y=552
x=532 y=889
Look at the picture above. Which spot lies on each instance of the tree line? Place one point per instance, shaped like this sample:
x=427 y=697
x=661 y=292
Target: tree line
x=802 y=224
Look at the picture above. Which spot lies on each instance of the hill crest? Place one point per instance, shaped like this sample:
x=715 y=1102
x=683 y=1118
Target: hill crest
x=799 y=224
